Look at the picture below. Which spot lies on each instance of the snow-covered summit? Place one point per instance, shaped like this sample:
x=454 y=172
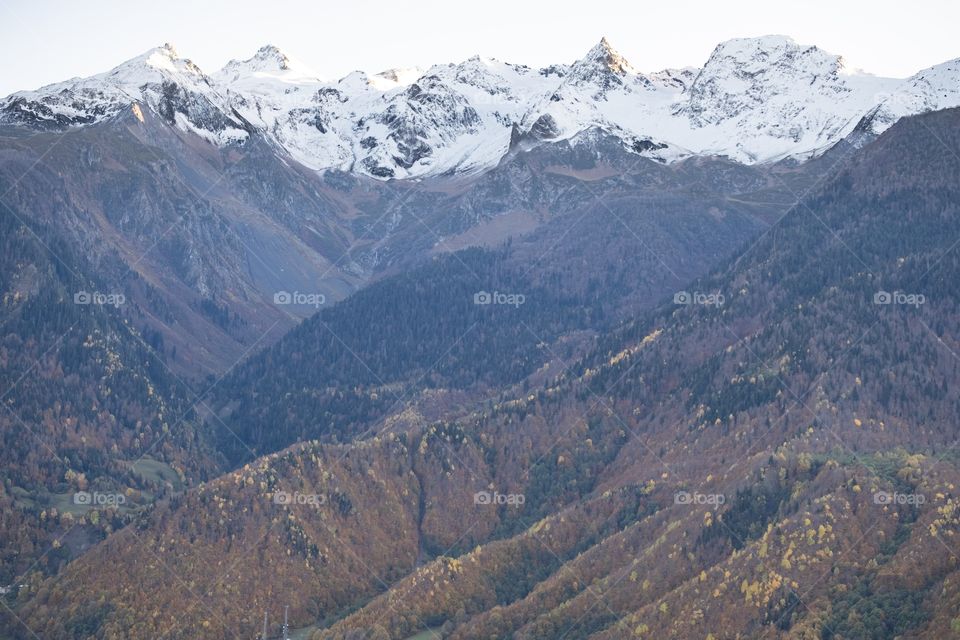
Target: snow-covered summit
x=173 y=87
x=604 y=57
x=269 y=61
x=760 y=99
x=932 y=89
x=742 y=75
x=754 y=100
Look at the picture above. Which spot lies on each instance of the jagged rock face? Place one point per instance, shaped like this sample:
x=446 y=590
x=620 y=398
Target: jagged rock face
x=544 y=128
x=742 y=75
x=677 y=78
x=755 y=100
x=425 y=108
x=604 y=67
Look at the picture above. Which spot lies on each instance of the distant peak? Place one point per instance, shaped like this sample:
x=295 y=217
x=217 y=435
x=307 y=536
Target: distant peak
x=771 y=41
x=604 y=54
x=767 y=47
x=272 y=54
x=772 y=53
x=163 y=58
x=271 y=60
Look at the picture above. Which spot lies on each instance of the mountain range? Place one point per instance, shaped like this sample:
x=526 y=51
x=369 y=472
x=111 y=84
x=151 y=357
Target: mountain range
x=755 y=100
x=482 y=351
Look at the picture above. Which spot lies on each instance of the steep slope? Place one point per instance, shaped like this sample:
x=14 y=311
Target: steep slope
x=798 y=398
x=448 y=117
x=608 y=237
x=214 y=231
x=774 y=97
x=172 y=86
x=88 y=406
x=793 y=410
x=931 y=89
x=198 y=238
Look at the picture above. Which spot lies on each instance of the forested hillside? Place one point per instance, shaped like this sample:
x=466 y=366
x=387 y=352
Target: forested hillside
x=705 y=468
x=88 y=405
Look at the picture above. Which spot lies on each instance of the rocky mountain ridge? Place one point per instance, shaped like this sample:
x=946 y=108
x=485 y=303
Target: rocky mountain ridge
x=755 y=100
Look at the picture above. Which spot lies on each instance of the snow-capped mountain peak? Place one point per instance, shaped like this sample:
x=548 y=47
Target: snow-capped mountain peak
x=755 y=99
x=154 y=65
x=163 y=58
x=931 y=89
x=603 y=68
x=605 y=55
x=271 y=62
x=174 y=88
x=745 y=73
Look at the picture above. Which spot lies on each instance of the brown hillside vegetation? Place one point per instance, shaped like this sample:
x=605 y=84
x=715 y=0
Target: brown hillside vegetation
x=780 y=465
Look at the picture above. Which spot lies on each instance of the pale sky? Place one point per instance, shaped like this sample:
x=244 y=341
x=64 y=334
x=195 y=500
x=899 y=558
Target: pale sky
x=46 y=41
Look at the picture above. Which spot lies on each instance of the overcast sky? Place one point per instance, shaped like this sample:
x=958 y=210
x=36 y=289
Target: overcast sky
x=46 y=41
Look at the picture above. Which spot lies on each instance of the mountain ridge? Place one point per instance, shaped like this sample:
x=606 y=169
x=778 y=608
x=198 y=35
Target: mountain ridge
x=755 y=100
